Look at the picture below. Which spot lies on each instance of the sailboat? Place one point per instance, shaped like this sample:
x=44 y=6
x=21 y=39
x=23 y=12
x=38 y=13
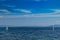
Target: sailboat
x=3 y=32
x=53 y=28
x=6 y=28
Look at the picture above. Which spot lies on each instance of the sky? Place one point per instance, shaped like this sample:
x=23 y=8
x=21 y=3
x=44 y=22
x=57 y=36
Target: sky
x=29 y=12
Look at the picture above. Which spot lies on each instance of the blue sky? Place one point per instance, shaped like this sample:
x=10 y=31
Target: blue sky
x=29 y=12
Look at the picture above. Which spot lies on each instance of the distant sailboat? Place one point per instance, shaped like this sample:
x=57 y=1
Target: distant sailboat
x=5 y=32
x=6 y=28
x=53 y=28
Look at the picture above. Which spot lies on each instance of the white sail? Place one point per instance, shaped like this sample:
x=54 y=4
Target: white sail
x=7 y=28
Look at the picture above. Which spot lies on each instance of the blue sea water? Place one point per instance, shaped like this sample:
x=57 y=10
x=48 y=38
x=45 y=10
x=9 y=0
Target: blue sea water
x=29 y=33
x=27 y=28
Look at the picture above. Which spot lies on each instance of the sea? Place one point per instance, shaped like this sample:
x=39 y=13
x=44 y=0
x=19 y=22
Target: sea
x=30 y=33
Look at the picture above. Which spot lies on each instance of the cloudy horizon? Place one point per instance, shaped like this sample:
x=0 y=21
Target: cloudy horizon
x=29 y=12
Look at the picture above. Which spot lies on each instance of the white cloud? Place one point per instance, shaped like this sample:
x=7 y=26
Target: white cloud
x=23 y=10
x=1 y=16
x=4 y=11
x=56 y=11
x=31 y=19
x=30 y=16
x=52 y=14
x=41 y=15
